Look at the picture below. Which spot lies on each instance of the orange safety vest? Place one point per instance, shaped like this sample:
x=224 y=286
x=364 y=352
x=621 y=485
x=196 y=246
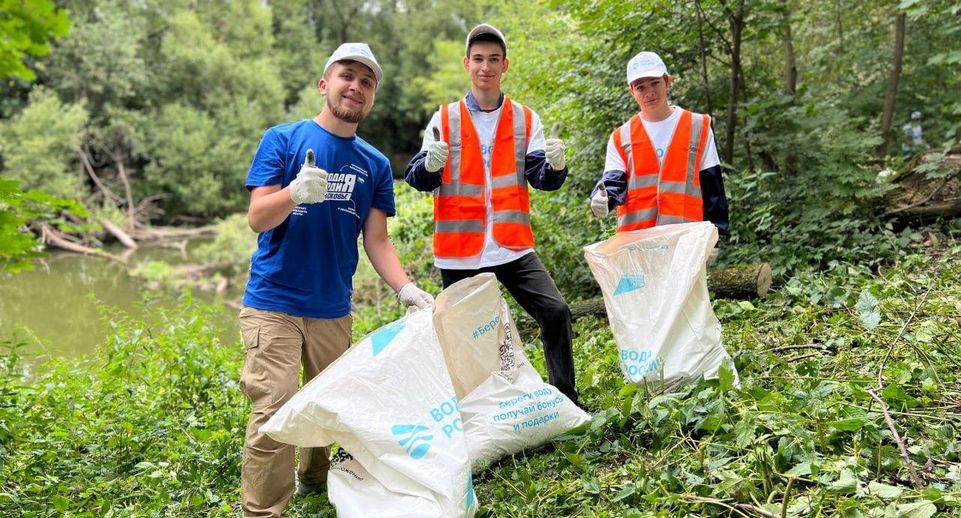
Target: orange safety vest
x=660 y=194
x=460 y=212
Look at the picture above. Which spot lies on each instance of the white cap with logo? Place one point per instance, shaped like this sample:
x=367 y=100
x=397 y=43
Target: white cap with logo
x=485 y=28
x=645 y=64
x=359 y=52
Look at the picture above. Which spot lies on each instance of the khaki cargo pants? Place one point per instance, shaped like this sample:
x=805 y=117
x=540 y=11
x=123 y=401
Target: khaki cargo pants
x=276 y=344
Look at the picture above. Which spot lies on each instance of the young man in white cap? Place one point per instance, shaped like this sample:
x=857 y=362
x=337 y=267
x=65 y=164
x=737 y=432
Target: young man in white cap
x=662 y=166
x=315 y=186
x=486 y=151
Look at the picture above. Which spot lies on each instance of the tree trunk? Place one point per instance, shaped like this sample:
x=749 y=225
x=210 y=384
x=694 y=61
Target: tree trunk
x=737 y=28
x=890 y=95
x=790 y=63
x=703 y=51
x=740 y=282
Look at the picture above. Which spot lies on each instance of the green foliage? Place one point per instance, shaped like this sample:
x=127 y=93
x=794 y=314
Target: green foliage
x=39 y=145
x=232 y=247
x=26 y=29
x=152 y=425
x=17 y=245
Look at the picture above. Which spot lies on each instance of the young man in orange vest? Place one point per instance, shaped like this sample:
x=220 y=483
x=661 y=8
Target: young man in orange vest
x=662 y=166
x=478 y=156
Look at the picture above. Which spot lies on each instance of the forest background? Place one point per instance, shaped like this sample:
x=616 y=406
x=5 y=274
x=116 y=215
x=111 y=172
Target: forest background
x=148 y=113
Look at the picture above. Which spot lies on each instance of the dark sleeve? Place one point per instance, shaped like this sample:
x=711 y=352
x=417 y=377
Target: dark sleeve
x=715 y=201
x=615 y=183
x=540 y=174
x=418 y=177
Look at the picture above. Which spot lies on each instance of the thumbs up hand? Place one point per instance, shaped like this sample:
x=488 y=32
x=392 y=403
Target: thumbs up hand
x=437 y=152
x=310 y=185
x=599 y=203
x=554 y=149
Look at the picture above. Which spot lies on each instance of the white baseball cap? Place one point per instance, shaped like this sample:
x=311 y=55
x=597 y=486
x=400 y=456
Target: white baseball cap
x=359 y=52
x=485 y=28
x=645 y=64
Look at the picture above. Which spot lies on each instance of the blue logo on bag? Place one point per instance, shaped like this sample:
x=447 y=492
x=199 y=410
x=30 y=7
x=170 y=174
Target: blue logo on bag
x=415 y=442
x=385 y=335
x=629 y=283
x=470 y=492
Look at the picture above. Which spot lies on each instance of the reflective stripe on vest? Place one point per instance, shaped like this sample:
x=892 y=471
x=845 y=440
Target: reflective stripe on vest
x=460 y=201
x=662 y=193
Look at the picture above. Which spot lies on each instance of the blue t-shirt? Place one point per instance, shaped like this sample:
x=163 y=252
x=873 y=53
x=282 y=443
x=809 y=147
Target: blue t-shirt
x=304 y=265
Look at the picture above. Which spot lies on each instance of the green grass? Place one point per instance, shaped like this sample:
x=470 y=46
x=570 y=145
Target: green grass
x=152 y=425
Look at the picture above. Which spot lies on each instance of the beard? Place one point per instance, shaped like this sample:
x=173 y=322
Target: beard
x=351 y=116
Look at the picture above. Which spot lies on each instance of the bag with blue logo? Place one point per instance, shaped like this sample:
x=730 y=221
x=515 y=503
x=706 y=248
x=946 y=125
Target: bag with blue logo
x=654 y=283
x=389 y=402
x=504 y=403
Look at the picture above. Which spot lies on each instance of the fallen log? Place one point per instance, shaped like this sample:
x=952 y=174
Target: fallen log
x=118 y=233
x=738 y=282
x=54 y=238
x=151 y=234
x=922 y=196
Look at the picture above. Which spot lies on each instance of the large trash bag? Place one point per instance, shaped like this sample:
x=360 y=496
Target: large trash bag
x=389 y=402
x=504 y=403
x=654 y=283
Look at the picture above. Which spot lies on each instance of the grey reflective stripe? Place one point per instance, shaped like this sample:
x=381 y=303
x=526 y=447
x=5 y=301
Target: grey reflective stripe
x=642 y=180
x=680 y=188
x=467 y=225
x=697 y=121
x=511 y=216
x=636 y=217
x=453 y=113
x=503 y=181
x=670 y=220
x=626 y=146
x=520 y=142
x=461 y=190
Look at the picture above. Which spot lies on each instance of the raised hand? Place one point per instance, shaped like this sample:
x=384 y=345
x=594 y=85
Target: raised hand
x=554 y=149
x=437 y=152
x=310 y=185
x=599 y=203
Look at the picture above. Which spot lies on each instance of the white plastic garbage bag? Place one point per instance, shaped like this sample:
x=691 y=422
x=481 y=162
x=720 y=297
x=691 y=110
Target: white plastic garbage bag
x=654 y=283
x=354 y=493
x=504 y=403
x=389 y=402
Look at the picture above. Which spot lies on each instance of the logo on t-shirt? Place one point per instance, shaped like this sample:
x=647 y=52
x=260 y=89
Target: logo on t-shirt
x=340 y=186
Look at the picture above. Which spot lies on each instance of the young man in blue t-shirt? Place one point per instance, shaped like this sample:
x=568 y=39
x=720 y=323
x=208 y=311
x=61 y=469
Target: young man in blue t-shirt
x=315 y=186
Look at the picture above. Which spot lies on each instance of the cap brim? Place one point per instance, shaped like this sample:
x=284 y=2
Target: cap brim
x=645 y=74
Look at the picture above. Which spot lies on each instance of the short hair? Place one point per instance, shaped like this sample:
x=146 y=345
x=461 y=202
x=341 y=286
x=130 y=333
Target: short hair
x=486 y=38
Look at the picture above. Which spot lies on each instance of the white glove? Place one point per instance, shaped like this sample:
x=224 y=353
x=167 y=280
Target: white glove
x=437 y=152
x=554 y=149
x=599 y=206
x=411 y=295
x=310 y=185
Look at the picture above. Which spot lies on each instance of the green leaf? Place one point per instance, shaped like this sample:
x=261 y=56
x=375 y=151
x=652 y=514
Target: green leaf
x=884 y=491
x=868 y=310
x=848 y=425
x=922 y=509
x=625 y=492
x=726 y=376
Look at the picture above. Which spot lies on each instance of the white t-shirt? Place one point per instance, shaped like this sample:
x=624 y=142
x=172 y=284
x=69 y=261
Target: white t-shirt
x=661 y=133
x=485 y=123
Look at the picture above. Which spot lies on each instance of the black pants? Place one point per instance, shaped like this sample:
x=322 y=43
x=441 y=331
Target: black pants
x=533 y=288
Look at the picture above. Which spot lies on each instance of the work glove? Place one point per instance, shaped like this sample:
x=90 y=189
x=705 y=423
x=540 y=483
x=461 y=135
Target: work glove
x=411 y=295
x=310 y=185
x=437 y=152
x=599 y=205
x=554 y=149
x=712 y=257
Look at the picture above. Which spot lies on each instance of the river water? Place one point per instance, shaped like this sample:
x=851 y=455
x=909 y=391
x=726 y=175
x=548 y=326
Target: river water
x=64 y=306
